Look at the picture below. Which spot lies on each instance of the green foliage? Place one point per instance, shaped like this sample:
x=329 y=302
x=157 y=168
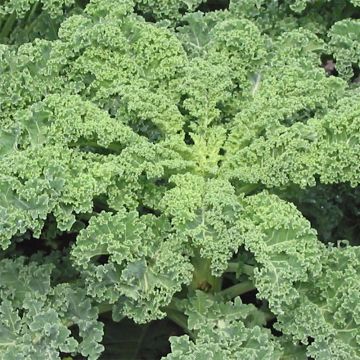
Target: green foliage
x=345 y=45
x=224 y=330
x=23 y=21
x=166 y=9
x=21 y=7
x=38 y=318
x=179 y=169
x=326 y=147
x=328 y=308
x=145 y=265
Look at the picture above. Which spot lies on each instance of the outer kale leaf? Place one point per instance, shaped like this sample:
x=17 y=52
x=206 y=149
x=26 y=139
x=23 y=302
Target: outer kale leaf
x=278 y=101
x=327 y=310
x=229 y=330
x=284 y=245
x=327 y=147
x=51 y=142
x=195 y=34
x=344 y=44
x=128 y=67
x=41 y=180
x=35 y=315
x=146 y=263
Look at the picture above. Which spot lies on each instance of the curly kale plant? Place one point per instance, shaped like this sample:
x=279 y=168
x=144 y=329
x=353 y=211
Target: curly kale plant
x=179 y=180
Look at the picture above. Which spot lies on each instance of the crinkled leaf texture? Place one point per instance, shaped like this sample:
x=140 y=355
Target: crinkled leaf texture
x=327 y=309
x=207 y=214
x=284 y=245
x=228 y=330
x=157 y=144
x=35 y=315
x=326 y=147
x=345 y=45
x=21 y=7
x=145 y=268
